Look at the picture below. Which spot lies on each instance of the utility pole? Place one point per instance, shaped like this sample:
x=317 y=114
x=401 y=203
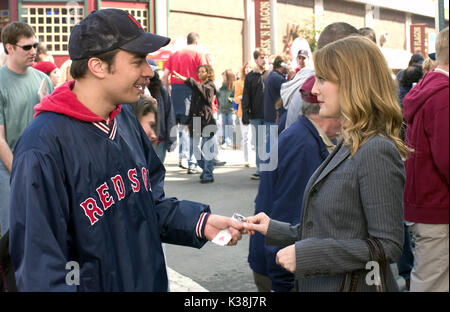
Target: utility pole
x=439 y=20
x=273 y=27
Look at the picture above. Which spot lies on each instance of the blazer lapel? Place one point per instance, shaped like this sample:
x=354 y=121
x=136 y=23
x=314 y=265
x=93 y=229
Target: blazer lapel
x=339 y=154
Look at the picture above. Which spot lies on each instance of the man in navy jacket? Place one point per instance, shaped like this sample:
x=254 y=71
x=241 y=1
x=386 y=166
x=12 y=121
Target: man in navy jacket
x=301 y=149
x=87 y=187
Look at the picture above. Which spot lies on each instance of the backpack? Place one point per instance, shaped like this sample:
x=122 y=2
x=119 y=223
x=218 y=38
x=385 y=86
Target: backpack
x=7 y=278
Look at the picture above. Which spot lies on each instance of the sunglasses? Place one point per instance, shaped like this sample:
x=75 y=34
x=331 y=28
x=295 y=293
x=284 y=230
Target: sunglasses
x=28 y=46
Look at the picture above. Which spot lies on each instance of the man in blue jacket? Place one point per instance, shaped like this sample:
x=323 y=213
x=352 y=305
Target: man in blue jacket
x=87 y=187
x=301 y=149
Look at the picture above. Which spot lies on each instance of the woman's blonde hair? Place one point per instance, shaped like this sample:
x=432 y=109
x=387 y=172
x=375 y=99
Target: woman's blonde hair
x=367 y=93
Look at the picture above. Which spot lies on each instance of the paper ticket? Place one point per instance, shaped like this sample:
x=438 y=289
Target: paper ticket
x=224 y=236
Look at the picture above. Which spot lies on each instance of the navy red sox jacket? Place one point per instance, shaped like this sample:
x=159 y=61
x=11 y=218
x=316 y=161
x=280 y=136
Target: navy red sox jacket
x=89 y=193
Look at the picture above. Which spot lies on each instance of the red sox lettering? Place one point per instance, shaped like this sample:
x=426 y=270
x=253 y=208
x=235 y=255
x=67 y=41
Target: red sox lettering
x=93 y=211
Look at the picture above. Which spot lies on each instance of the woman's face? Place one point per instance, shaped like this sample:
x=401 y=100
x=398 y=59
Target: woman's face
x=148 y=123
x=55 y=76
x=202 y=74
x=327 y=93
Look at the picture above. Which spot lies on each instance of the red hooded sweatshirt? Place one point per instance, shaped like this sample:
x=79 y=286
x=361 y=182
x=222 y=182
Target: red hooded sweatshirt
x=64 y=101
x=426 y=112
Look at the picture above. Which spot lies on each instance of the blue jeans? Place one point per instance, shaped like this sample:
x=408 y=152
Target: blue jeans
x=406 y=262
x=256 y=126
x=4 y=198
x=161 y=151
x=183 y=137
x=181 y=100
x=227 y=128
x=206 y=155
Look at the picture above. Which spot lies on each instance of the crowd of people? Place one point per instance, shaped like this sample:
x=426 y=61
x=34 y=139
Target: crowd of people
x=350 y=160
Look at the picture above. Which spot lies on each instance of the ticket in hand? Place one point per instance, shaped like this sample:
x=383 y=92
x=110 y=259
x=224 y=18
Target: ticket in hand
x=224 y=236
x=238 y=217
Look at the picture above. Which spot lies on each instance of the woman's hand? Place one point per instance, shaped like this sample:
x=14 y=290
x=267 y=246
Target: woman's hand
x=259 y=223
x=178 y=76
x=286 y=258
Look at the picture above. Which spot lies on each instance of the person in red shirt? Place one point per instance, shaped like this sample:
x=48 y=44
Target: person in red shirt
x=426 y=198
x=185 y=62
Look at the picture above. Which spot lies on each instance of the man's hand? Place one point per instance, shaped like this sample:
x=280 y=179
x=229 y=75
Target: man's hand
x=286 y=258
x=259 y=223
x=217 y=223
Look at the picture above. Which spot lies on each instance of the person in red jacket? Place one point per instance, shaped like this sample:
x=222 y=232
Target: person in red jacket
x=426 y=197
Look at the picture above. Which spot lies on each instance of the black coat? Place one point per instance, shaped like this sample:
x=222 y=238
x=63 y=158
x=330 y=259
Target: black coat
x=201 y=105
x=253 y=96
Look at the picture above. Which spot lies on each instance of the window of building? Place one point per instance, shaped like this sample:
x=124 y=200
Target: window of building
x=4 y=18
x=141 y=15
x=53 y=24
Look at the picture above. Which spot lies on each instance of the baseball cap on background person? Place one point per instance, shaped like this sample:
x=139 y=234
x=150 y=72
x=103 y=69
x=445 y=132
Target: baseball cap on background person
x=152 y=64
x=109 y=29
x=306 y=90
x=432 y=56
x=302 y=53
x=416 y=58
x=45 y=67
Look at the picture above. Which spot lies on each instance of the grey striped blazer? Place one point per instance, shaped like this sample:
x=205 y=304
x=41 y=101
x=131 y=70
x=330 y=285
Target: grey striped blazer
x=346 y=200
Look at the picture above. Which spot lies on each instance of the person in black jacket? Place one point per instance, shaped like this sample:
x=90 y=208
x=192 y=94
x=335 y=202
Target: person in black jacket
x=166 y=114
x=253 y=102
x=200 y=120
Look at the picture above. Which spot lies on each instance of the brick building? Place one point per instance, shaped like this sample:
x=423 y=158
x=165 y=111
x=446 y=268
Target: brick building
x=231 y=29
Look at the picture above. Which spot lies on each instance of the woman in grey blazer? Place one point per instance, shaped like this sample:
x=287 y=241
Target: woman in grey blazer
x=357 y=192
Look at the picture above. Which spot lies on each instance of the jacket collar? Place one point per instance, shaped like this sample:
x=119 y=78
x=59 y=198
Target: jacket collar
x=339 y=154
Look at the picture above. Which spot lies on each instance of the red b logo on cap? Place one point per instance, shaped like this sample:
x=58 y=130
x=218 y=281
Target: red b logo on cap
x=134 y=20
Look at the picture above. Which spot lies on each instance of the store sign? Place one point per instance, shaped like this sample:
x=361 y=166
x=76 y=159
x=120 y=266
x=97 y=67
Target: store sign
x=418 y=38
x=262 y=24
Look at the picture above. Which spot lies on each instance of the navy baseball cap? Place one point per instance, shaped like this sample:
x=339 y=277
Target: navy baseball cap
x=109 y=29
x=417 y=58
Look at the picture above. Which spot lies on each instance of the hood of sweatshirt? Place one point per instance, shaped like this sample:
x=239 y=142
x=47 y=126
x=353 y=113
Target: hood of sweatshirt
x=431 y=85
x=64 y=101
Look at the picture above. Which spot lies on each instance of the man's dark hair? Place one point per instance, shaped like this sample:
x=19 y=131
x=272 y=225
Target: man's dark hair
x=155 y=85
x=259 y=52
x=192 y=38
x=369 y=33
x=334 y=32
x=79 y=68
x=12 y=32
x=411 y=75
x=278 y=61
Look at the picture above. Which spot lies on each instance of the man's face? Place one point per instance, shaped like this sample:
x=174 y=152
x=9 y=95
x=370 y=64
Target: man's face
x=301 y=62
x=261 y=61
x=128 y=78
x=21 y=56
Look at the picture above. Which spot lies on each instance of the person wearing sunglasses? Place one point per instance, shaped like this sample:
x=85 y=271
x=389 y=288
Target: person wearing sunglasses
x=19 y=87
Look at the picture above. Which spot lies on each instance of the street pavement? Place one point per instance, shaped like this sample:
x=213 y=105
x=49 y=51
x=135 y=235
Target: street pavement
x=214 y=268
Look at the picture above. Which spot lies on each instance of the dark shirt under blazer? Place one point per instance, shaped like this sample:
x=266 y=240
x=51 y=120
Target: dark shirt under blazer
x=346 y=200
